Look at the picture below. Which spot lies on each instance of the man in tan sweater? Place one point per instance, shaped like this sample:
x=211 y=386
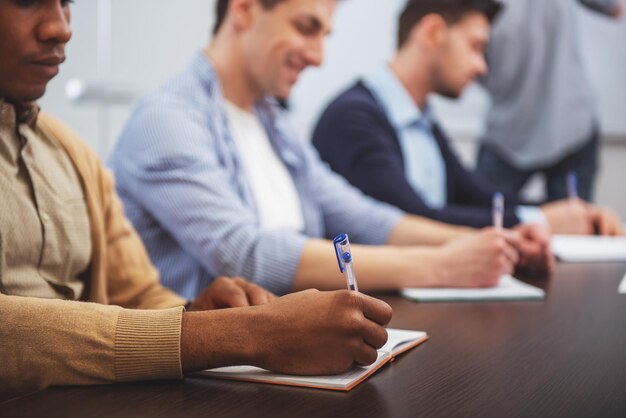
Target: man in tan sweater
x=80 y=302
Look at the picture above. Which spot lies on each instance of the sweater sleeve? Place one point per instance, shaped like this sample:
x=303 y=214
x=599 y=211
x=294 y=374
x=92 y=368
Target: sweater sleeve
x=54 y=342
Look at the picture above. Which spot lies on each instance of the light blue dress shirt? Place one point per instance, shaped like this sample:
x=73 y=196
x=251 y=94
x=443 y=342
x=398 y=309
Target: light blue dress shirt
x=424 y=166
x=185 y=189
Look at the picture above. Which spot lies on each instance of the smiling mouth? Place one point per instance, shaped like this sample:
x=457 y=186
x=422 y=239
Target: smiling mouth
x=295 y=72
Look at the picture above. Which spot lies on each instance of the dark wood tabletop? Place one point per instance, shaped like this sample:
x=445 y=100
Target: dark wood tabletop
x=565 y=356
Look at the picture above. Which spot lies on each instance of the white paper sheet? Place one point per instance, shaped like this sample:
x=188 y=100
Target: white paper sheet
x=509 y=288
x=579 y=248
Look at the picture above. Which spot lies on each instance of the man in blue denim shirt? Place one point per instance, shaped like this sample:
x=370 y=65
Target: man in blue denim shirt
x=207 y=162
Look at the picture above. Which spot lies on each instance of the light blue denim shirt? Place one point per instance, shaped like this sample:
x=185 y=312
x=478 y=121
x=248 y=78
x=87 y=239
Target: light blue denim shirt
x=185 y=190
x=424 y=167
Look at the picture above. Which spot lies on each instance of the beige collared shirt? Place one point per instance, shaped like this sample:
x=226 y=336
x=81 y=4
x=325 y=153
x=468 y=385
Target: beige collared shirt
x=45 y=242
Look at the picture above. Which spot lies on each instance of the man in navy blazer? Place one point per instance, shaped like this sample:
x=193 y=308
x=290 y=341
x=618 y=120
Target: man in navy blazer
x=382 y=136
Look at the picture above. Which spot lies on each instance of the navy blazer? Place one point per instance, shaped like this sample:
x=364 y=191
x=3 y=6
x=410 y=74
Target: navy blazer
x=355 y=137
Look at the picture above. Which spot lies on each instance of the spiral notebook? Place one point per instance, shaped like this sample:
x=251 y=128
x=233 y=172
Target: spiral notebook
x=398 y=342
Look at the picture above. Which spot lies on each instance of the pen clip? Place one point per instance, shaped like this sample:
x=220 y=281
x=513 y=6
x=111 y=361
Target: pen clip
x=336 y=242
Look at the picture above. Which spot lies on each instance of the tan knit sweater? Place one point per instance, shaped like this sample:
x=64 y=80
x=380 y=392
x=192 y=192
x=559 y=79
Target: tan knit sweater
x=46 y=342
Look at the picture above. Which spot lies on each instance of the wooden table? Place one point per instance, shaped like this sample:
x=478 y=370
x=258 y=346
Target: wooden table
x=565 y=356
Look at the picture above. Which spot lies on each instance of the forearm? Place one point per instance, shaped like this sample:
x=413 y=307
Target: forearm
x=292 y=334
x=415 y=230
x=378 y=268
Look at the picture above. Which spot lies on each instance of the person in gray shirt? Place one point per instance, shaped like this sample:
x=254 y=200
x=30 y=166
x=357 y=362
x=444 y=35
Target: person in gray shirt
x=542 y=116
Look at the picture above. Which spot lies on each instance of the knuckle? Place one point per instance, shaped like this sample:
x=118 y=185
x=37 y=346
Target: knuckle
x=388 y=313
x=353 y=345
x=252 y=287
x=310 y=292
x=347 y=298
x=354 y=323
x=382 y=337
x=370 y=356
x=234 y=292
x=240 y=280
x=220 y=281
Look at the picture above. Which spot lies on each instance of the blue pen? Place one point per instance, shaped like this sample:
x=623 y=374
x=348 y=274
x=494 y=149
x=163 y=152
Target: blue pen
x=572 y=185
x=497 y=210
x=344 y=258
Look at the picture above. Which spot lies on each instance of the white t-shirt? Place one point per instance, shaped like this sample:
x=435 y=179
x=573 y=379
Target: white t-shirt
x=273 y=188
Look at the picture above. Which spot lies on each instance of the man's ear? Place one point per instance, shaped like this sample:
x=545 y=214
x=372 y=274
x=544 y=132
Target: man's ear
x=430 y=31
x=242 y=13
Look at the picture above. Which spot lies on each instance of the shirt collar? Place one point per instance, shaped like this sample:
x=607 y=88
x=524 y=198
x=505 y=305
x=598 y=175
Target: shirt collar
x=205 y=71
x=395 y=100
x=267 y=110
x=19 y=113
x=26 y=113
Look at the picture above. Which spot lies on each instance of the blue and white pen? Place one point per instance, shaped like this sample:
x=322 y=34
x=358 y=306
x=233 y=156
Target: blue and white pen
x=497 y=210
x=572 y=185
x=344 y=258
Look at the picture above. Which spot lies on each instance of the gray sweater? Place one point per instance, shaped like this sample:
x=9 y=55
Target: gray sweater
x=542 y=104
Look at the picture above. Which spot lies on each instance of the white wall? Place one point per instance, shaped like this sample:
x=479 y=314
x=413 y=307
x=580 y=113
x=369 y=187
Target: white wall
x=153 y=40
x=366 y=28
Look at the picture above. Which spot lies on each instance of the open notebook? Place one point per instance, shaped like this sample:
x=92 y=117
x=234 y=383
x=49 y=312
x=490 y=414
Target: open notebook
x=508 y=288
x=581 y=248
x=399 y=341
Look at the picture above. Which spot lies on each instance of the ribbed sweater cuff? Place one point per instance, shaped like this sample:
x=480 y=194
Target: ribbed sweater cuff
x=147 y=344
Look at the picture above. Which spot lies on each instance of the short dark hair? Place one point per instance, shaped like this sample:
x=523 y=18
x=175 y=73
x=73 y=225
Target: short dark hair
x=451 y=10
x=222 y=6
